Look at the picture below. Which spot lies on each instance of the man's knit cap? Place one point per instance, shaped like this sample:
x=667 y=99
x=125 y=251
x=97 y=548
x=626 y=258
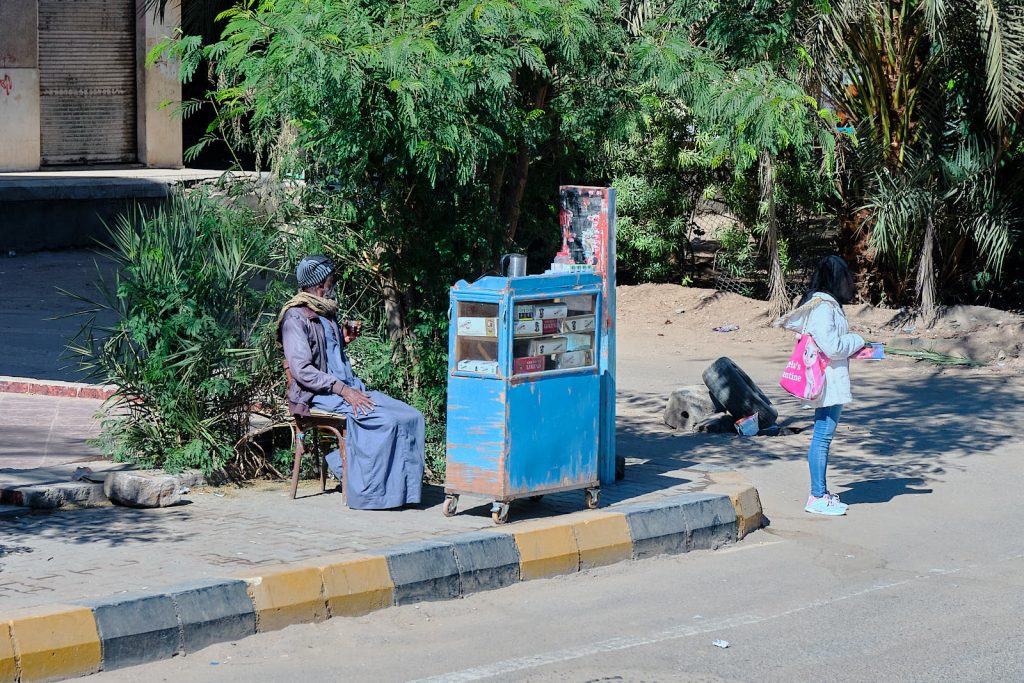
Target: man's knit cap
x=313 y=270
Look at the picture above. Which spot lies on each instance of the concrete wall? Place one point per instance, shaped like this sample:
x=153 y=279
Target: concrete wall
x=159 y=129
x=159 y=133
x=19 y=87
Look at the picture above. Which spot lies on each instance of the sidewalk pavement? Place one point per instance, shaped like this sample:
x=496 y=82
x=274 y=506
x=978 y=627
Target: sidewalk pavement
x=43 y=431
x=80 y=554
x=99 y=588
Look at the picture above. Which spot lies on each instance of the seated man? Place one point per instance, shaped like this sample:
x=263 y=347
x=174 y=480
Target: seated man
x=384 y=446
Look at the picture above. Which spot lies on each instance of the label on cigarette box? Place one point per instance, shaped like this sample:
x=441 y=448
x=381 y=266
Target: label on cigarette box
x=579 y=323
x=527 y=328
x=547 y=346
x=542 y=311
x=524 y=312
x=575 y=359
x=528 y=364
x=489 y=367
x=478 y=327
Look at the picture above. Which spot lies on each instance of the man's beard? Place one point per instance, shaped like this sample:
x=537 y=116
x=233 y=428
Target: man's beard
x=331 y=293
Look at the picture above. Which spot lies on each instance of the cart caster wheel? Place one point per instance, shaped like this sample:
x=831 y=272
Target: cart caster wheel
x=451 y=504
x=593 y=498
x=499 y=512
x=534 y=499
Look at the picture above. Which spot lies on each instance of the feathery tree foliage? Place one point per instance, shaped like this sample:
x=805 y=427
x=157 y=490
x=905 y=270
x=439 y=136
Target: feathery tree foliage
x=431 y=135
x=935 y=91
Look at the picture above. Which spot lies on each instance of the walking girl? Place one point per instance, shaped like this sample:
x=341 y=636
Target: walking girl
x=820 y=314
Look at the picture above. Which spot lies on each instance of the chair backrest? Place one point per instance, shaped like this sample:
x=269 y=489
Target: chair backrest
x=287 y=375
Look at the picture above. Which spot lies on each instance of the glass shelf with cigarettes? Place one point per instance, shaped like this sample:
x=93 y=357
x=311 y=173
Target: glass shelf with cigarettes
x=553 y=334
x=476 y=341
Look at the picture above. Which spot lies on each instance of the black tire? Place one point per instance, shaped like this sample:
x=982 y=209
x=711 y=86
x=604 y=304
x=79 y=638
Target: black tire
x=737 y=393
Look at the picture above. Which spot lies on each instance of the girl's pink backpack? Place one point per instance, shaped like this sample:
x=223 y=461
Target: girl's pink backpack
x=804 y=376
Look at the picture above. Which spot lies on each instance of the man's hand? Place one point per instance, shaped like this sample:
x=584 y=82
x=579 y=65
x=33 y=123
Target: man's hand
x=361 y=403
x=352 y=330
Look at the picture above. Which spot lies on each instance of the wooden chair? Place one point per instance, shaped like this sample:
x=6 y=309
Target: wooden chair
x=318 y=422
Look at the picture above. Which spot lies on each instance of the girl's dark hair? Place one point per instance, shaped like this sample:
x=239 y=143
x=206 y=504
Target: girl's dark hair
x=832 y=277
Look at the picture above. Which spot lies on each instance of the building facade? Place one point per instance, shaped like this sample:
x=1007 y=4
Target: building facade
x=74 y=89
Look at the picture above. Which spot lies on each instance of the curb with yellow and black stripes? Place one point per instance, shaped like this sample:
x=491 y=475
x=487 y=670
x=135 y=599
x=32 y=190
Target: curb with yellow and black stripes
x=61 y=641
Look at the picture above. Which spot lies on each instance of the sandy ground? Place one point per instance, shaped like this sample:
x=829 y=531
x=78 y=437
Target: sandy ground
x=668 y=319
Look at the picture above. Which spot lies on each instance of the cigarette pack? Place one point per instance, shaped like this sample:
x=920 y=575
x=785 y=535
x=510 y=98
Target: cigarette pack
x=547 y=346
x=575 y=359
x=542 y=311
x=578 y=342
x=579 y=323
x=530 y=328
x=524 y=312
x=478 y=327
x=528 y=364
x=527 y=328
x=489 y=367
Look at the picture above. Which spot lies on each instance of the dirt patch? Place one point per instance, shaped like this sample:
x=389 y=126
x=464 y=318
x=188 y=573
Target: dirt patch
x=655 y=317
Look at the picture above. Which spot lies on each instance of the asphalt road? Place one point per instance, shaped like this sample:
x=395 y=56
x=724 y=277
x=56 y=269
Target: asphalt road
x=925 y=584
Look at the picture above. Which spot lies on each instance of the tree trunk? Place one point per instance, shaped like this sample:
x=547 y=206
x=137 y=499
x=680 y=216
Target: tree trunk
x=520 y=171
x=926 y=274
x=778 y=297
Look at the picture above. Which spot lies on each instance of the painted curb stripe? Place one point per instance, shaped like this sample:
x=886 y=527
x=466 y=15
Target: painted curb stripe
x=290 y=595
x=747 y=503
x=60 y=641
x=357 y=586
x=8 y=665
x=603 y=539
x=547 y=550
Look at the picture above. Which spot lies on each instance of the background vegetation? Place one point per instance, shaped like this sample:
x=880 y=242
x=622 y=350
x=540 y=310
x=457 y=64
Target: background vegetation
x=431 y=135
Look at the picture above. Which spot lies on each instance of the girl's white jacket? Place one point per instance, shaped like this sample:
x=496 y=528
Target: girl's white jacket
x=822 y=317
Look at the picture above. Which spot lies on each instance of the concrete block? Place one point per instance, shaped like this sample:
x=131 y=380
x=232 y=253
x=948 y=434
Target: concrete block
x=136 y=628
x=747 y=503
x=689 y=521
x=8 y=667
x=213 y=611
x=710 y=520
x=656 y=528
x=603 y=538
x=141 y=490
x=423 y=570
x=486 y=560
x=59 y=641
x=547 y=549
x=286 y=596
x=357 y=585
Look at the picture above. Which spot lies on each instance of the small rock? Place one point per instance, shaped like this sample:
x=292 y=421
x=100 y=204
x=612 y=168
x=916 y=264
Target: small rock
x=142 y=491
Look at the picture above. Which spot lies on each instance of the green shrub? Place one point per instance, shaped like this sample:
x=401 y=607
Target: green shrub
x=192 y=348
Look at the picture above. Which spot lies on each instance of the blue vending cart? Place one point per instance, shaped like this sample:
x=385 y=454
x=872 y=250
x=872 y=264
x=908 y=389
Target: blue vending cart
x=524 y=393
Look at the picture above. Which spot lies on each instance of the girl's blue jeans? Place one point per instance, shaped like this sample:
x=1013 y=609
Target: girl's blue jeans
x=825 y=422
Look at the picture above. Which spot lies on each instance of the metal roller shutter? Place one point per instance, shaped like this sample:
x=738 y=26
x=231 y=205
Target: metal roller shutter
x=87 y=81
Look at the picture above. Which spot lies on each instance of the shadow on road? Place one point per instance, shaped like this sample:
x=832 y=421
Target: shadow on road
x=903 y=434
